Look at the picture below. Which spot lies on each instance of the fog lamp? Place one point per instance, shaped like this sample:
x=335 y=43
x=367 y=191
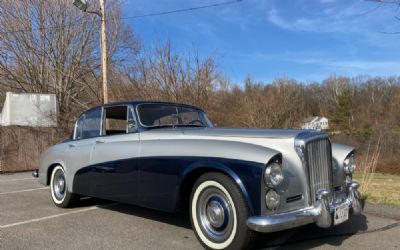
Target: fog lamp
x=272 y=199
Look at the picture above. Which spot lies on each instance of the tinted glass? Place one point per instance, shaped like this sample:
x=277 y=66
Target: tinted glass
x=89 y=124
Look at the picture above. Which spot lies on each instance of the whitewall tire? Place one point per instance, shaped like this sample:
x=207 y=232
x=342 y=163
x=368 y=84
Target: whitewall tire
x=59 y=190
x=219 y=212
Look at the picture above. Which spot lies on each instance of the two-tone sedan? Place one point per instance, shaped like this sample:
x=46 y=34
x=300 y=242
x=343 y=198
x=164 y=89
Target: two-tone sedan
x=234 y=182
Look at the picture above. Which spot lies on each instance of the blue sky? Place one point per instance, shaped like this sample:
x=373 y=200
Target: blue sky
x=307 y=40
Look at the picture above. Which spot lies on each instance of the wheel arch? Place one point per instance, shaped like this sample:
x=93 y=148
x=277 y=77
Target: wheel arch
x=191 y=175
x=50 y=170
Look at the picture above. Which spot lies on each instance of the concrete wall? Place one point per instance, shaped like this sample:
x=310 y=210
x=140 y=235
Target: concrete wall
x=35 y=110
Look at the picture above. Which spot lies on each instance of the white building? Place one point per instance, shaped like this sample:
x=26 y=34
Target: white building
x=316 y=122
x=34 y=110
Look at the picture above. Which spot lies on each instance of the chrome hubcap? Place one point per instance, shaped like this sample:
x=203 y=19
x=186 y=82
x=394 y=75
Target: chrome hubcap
x=59 y=185
x=214 y=212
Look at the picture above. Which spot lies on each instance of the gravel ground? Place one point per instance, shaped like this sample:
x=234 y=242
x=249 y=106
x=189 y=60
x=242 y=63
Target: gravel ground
x=29 y=220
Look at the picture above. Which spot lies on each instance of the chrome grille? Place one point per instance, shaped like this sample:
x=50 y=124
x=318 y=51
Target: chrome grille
x=319 y=165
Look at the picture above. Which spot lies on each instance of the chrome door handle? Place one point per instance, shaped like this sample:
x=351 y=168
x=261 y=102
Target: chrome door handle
x=72 y=145
x=100 y=142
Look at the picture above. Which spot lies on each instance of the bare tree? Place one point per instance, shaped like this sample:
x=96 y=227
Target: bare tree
x=395 y=3
x=53 y=48
x=164 y=75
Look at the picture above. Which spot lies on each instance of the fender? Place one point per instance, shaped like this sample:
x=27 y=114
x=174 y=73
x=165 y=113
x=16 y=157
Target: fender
x=209 y=148
x=44 y=175
x=239 y=171
x=55 y=155
x=339 y=154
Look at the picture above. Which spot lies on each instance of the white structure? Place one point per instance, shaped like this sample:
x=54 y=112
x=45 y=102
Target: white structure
x=316 y=122
x=34 y=110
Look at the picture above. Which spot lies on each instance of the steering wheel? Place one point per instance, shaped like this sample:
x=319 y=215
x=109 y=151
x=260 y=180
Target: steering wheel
x=196 y=121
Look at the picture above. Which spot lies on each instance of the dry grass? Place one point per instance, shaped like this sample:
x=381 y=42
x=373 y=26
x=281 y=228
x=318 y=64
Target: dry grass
x=368 y=164
x=376 y=187
x=382 y=188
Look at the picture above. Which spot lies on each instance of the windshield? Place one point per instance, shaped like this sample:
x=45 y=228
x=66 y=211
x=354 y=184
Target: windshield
x=169 y=115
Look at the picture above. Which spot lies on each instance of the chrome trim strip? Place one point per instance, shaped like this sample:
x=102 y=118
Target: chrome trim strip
x=102 y=129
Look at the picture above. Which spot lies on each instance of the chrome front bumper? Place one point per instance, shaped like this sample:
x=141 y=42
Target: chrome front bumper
x=321 y=213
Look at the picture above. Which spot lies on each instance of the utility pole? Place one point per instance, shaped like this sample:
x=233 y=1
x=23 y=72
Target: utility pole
x=83 y=5
x=104 y=51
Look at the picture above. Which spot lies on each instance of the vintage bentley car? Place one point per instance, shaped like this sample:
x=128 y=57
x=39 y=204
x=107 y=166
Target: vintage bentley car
x=233 y=182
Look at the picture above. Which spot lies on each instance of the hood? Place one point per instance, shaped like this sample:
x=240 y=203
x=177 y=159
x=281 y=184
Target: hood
x=243 y=132
x=249 y=135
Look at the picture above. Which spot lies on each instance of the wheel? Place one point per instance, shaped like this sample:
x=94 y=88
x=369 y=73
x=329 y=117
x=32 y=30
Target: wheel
x=59 y=192
x=218 y=212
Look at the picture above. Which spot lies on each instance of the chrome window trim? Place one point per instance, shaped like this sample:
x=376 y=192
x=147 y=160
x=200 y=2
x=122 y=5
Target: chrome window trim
x=102 y=121
x=129 y=108
x=76 y=123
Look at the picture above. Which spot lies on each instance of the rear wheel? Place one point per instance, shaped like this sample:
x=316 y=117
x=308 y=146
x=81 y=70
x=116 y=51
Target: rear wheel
x=59 y=191
x=219 y=213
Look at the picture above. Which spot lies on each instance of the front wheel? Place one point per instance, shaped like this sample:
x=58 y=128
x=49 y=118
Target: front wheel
x=59 y=191
x=219 y=213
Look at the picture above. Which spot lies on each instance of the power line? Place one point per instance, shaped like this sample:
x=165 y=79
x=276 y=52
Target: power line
x=129 y=17
x=183 y=10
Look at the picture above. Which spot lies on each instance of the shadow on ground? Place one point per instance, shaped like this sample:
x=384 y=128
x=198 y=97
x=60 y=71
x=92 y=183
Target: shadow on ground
x=176 y=219
x=310 y=236
x=299 y=238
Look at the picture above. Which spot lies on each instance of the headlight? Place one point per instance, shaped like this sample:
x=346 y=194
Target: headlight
x=272 y=199
x=349 y=164
x=273 y=175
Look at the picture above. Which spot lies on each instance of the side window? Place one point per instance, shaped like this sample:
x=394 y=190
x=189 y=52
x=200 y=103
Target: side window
x=116 y=120
x=88 y=125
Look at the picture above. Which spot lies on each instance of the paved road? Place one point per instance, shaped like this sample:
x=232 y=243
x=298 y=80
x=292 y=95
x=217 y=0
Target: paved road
x=29 y=220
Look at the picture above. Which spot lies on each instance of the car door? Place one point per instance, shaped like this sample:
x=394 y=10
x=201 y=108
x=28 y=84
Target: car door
x=115 y=156
x=87 y=129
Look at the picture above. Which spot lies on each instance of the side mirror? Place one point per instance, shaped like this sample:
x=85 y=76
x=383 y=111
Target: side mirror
x=132 y=126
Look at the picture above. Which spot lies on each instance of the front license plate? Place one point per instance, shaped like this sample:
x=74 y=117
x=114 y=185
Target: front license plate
x=341 y=214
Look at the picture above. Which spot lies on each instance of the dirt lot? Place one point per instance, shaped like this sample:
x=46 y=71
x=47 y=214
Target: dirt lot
x=29 y=220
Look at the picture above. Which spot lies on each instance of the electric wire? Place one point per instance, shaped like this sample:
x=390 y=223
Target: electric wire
x=125 y=18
